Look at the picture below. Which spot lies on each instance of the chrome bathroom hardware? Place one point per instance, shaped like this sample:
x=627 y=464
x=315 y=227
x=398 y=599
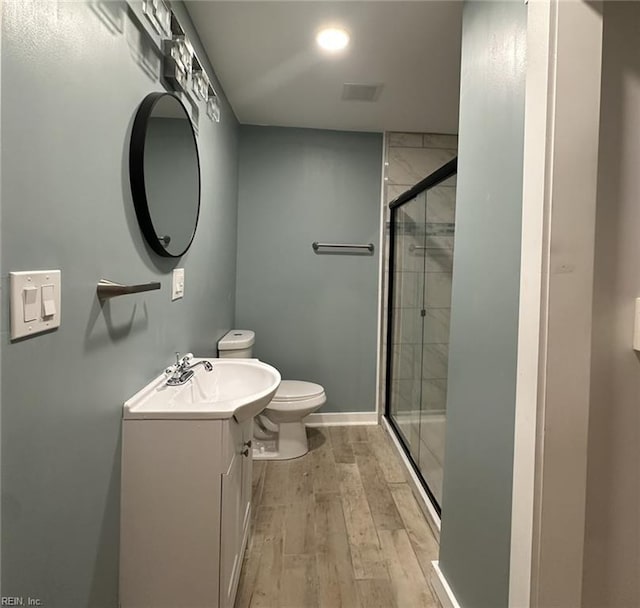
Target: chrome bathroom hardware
x=368 y=246
x=108 y=289
x=182 y=372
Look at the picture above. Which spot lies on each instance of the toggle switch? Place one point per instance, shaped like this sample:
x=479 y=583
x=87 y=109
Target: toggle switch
x=35 y=302
x=48 y=301
x=30 y=304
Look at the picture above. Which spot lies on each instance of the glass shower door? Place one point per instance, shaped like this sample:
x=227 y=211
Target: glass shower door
x=422 y=246
x=408 y=289
x=438 y=255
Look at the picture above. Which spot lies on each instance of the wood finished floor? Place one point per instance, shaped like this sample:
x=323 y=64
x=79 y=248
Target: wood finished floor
x=337 y=528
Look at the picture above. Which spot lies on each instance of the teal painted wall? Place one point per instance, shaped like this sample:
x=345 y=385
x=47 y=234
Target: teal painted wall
x=70 y=91
x=315 y=316
x=476 y=520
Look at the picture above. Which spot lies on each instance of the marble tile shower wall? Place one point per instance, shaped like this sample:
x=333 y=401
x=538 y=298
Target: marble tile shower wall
x=421 y=274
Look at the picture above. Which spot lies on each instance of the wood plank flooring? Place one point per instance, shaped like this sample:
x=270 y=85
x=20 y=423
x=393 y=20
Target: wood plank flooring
x=337 y=528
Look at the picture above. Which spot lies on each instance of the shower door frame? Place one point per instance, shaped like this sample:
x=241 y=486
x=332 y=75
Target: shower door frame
x=447 y=170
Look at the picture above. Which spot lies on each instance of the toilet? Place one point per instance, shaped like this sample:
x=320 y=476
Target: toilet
x=278 y=432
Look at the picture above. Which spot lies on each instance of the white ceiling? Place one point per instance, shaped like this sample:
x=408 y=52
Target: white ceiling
x=265 y=56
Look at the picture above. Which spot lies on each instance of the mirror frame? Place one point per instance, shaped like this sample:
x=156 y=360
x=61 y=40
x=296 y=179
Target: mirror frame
x=136 y=174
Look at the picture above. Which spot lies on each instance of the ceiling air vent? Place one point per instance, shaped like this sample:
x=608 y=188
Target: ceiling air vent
x=361 y=92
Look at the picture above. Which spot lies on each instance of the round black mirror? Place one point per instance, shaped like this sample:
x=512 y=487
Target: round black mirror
x=164 y=170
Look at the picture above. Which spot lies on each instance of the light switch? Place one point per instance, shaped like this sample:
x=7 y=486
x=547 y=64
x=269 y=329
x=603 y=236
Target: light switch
x=177 y=284
x=48 y=301
x=35 y=302
x=30 y=304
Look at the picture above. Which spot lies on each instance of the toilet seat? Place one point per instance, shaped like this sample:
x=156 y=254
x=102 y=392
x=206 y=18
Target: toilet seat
x=294 y=400
x=297 y=390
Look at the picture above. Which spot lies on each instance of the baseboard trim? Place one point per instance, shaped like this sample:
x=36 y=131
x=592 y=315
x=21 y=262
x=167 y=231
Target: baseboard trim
x=341 y=418
x=433 y=519
x=441 y=587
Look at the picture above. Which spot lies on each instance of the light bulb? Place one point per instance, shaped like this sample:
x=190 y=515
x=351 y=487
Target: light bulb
x=332 y=39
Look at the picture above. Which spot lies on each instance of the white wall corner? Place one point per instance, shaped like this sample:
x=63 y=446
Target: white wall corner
x=441 y=589
x=530 y=318
x=562 y=117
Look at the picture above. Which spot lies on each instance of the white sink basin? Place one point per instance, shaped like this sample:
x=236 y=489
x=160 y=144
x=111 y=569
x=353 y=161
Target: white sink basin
x=241 y=388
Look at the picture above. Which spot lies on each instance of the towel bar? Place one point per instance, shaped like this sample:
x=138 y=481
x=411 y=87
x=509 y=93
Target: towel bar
x=368 y=246
x=108 y=289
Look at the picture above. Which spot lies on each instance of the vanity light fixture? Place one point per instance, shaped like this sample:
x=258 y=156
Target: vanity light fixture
x=159 y=15
x=182 y=54
x=182 y=69
x=199 y=84
x=199 y=81
x=213 y=105
x=177 y=62
x=332 y=39
x=178 y=57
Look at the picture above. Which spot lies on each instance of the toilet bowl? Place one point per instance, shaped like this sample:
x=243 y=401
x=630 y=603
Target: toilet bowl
x=293 y=401
x=279 y=431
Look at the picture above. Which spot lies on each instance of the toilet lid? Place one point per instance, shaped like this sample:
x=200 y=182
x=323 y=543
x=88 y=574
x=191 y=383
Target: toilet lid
x=296 y=390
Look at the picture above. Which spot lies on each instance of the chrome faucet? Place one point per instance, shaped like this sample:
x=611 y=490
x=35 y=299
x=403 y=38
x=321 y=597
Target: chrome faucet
x=182 y=372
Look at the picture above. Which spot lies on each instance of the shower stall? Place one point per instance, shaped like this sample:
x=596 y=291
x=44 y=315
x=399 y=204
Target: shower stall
x=421 y=249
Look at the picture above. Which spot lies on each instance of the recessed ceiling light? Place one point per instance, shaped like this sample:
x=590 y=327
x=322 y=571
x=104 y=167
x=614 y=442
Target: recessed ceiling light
x=332 y=39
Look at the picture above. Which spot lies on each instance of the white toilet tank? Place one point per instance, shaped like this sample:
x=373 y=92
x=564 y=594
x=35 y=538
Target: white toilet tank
x=237 y=344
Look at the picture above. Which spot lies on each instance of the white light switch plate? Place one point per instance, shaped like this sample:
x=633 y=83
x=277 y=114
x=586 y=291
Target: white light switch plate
x=177 y=284
x=35 y=302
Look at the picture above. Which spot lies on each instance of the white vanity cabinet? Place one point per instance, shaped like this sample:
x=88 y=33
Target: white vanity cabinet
x=235 y=511
x=185 y=511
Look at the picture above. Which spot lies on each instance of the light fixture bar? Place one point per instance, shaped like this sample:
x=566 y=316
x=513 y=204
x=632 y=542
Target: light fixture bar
x=185 y=72
x=178 y=57
x=213 y=105
x=159 y=16
x=199 y=80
